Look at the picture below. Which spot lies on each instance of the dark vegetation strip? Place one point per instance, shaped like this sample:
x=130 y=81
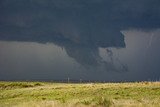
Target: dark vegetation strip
x=12 y=85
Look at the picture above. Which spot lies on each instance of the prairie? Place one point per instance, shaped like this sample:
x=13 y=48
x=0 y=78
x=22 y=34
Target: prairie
x=48 y=94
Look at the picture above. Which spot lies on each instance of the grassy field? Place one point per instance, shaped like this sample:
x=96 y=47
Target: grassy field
x=46 y=94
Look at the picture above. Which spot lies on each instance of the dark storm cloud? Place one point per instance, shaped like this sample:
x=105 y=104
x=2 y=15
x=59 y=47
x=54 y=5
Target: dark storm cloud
x=80 y=26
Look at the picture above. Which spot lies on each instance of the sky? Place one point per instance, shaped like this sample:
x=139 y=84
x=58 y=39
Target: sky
x=106 y=40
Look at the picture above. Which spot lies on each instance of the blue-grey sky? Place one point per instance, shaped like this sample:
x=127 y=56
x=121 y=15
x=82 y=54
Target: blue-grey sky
x=110 y=40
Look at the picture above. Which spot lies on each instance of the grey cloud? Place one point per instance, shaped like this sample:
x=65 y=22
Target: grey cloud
x=80 y=26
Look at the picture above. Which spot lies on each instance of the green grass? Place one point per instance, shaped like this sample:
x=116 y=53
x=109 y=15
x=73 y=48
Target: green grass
x=45 y=94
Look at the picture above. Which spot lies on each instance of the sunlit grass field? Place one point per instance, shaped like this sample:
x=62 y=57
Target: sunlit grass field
x=48 y=94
